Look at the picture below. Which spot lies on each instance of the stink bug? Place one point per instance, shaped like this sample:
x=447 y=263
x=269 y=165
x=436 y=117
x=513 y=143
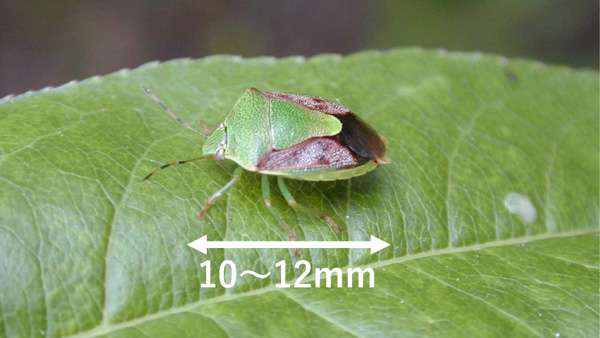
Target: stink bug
x=289 y=136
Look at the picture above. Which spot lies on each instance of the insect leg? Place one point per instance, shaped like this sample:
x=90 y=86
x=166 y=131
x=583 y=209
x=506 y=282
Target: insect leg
x=211 y=201
x=266 y=191
x=292 y=203
x=171 y=165
x=168 y=111
x=204 y=126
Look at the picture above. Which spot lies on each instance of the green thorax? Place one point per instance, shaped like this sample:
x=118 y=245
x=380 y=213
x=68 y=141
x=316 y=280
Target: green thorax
x=257 y=125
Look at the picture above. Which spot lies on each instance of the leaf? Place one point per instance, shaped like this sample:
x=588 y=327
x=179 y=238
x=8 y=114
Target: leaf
x=490 y=204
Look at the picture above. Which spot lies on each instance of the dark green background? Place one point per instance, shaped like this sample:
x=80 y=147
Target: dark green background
x=47 y=43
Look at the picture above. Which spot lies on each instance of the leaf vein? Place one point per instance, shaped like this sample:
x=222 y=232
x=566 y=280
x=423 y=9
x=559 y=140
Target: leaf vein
x=106 y=328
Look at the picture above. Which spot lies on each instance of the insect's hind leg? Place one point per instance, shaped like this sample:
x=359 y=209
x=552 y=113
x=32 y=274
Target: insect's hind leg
x=171 y=165
x=237 y=173
x=266 y=191
x=292 y=203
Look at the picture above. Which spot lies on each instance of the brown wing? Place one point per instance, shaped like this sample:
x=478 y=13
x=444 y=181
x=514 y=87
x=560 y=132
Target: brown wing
x=361 y=138
x=316 y=153
x=356 y=134
x=308 y=102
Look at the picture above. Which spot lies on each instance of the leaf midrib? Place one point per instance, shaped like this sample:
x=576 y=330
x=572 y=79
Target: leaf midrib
x=108 y=328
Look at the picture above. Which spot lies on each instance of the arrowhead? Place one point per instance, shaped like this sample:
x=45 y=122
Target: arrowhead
x=200 y=244
x=377 y=244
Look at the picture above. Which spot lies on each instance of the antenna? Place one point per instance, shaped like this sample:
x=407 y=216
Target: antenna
x=168 y=111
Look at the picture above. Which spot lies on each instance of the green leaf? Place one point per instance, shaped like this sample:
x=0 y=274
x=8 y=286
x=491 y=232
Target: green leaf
x=490 y=204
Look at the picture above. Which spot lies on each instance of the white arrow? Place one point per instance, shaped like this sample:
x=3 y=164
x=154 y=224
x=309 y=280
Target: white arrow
x=202 y=244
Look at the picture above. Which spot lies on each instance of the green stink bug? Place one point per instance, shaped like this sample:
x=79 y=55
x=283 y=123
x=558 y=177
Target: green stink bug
x=289 y=136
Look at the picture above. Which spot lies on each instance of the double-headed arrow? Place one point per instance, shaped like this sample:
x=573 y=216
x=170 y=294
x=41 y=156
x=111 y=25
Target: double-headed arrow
x=202 y=244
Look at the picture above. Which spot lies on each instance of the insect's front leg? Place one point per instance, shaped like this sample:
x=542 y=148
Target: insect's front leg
x=211 y=201
x=266 y=191
x=292 y=203
x=208 y=131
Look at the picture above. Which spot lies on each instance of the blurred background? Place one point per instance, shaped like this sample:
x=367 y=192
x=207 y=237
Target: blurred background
x=47 y=43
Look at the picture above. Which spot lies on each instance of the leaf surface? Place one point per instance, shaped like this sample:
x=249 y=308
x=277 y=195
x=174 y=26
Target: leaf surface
x=490 y=204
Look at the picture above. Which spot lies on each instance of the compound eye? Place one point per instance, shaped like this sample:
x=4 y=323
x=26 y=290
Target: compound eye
x=220 y=154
